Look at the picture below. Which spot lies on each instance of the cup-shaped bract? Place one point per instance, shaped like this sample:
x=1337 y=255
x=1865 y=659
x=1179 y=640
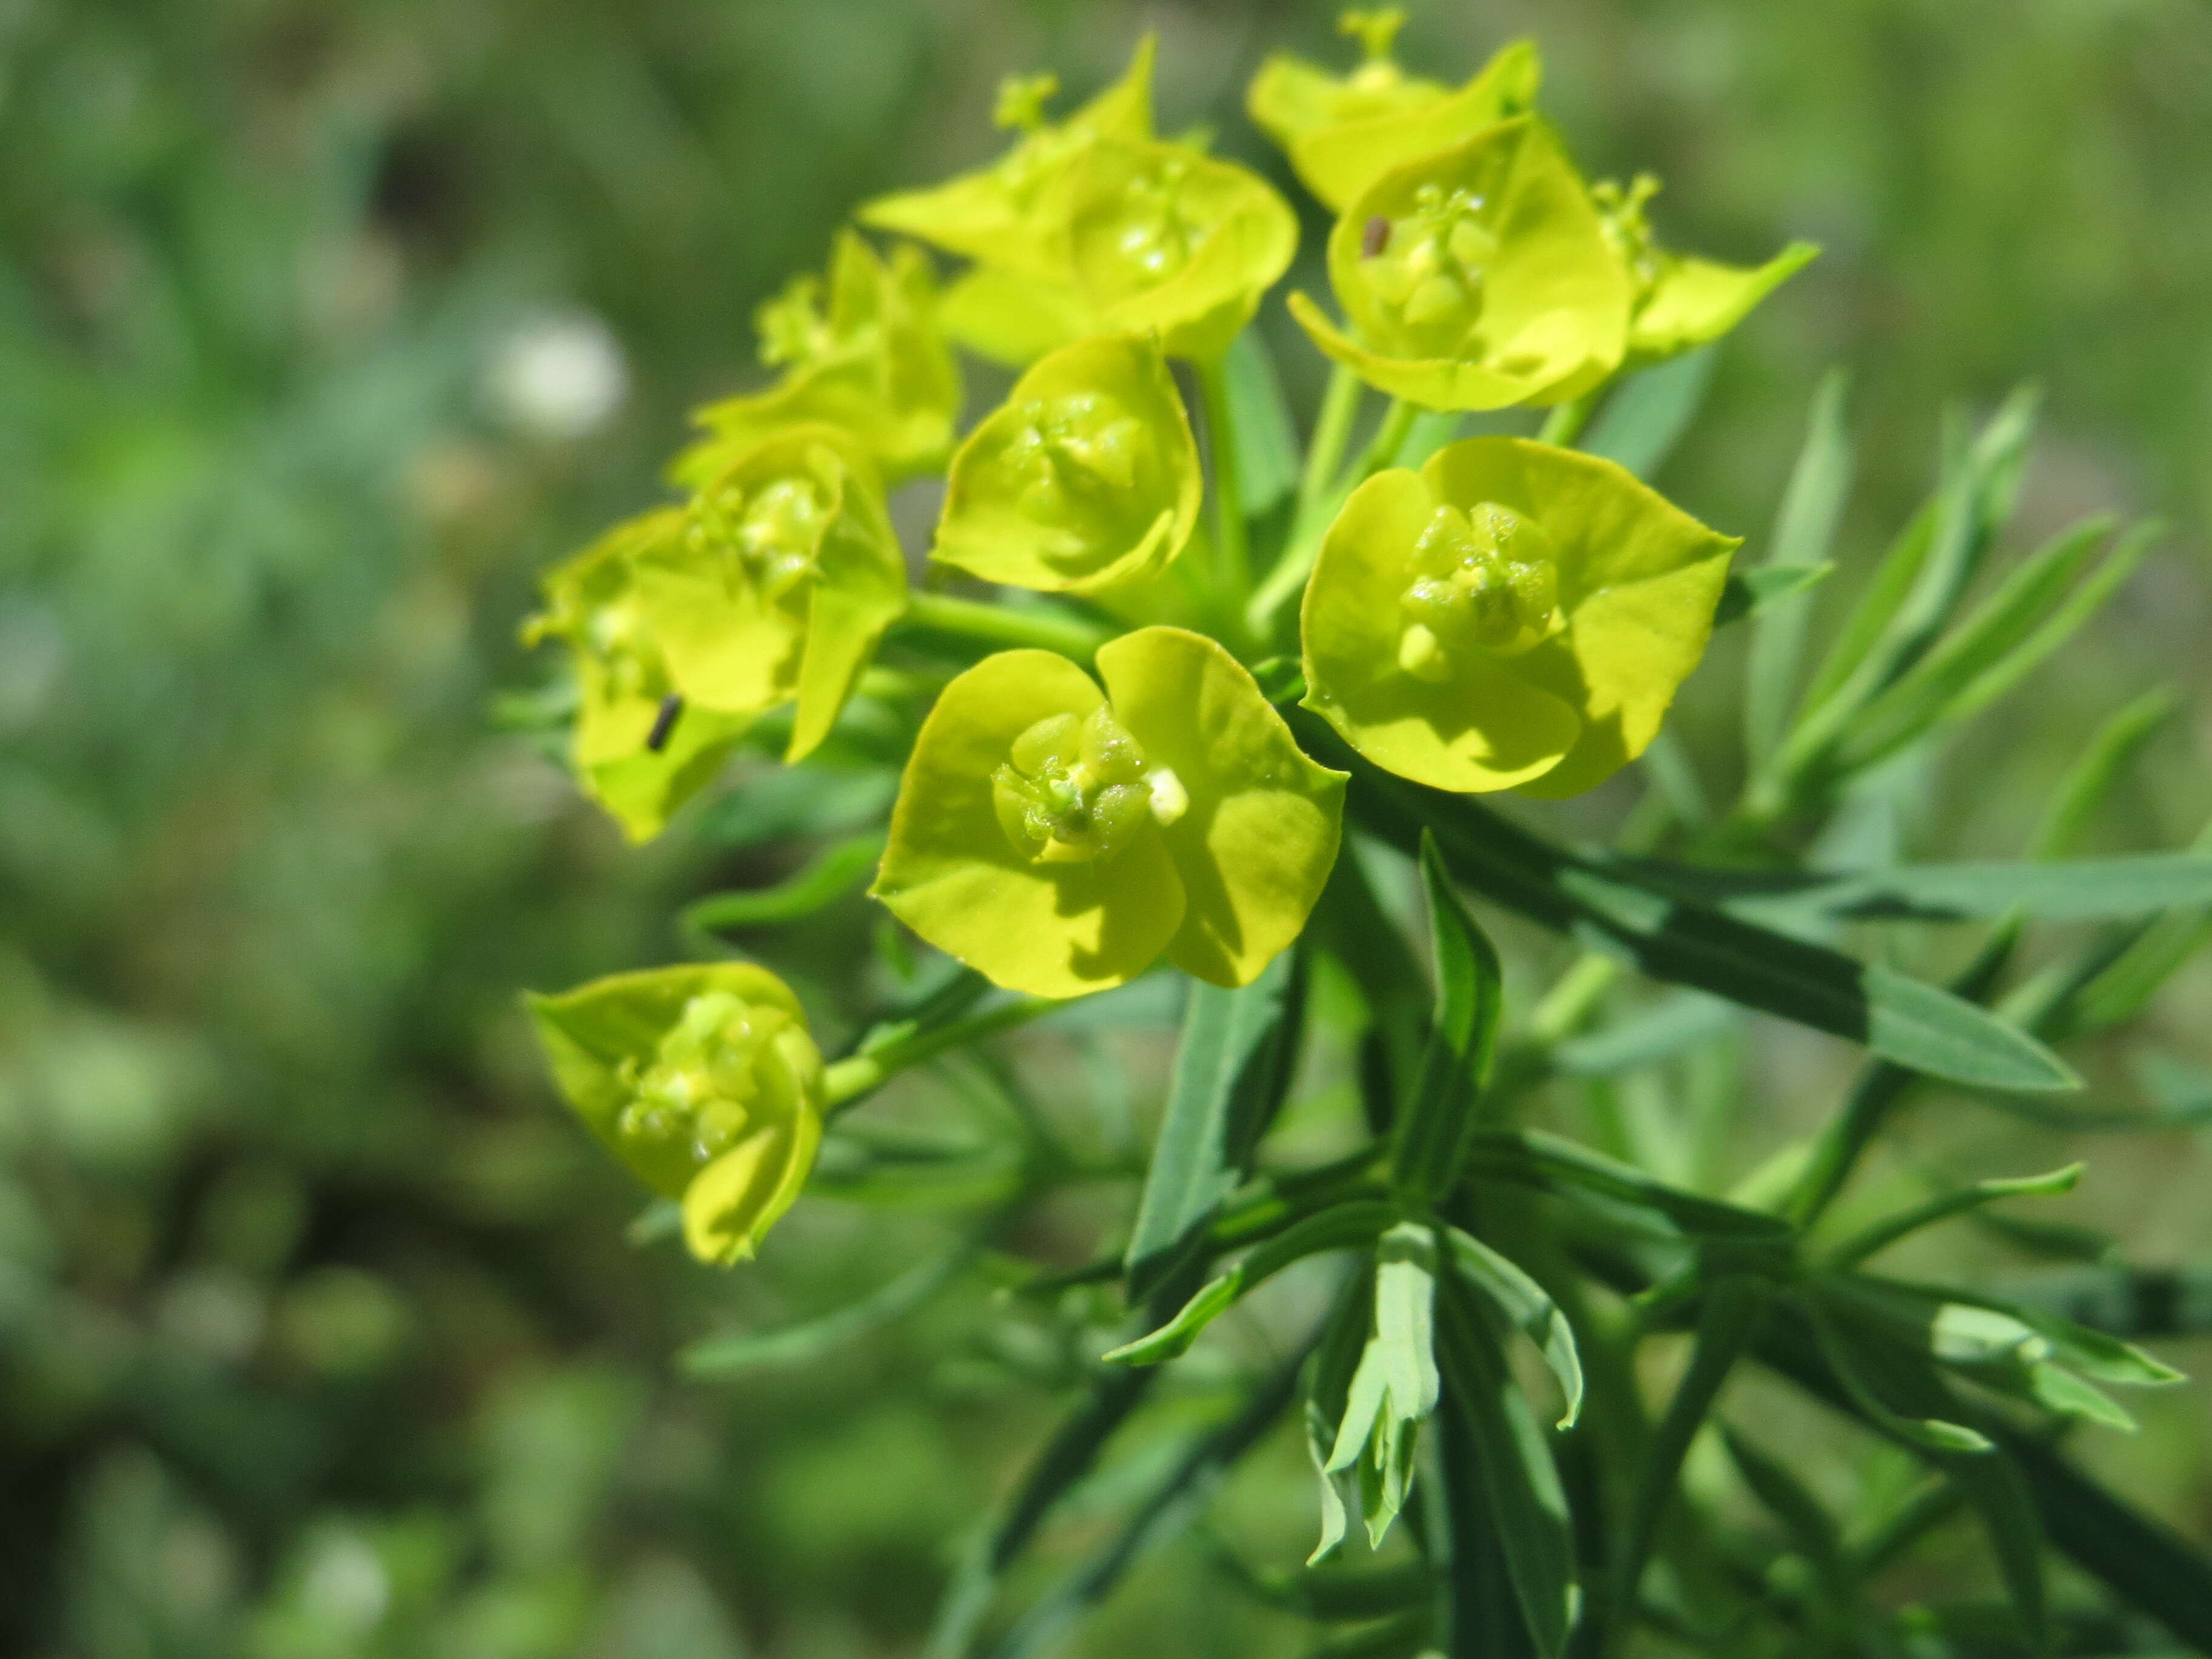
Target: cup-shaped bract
x=1477 y=277
x=1011 y=215
x=1154 y=237
x=1059 y=839
x=1342 y=132
x=1512 y=615
x=638 y=749
x=1086 y=477
x=704 y=1081
x=1682 y=301
x=863 y=352
x=783 y=578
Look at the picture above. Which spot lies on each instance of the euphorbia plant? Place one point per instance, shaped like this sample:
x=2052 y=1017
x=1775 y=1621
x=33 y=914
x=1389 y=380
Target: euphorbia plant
x=1176 y=697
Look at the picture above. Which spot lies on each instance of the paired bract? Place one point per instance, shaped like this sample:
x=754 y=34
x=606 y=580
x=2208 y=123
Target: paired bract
x=704 y=1081
x=1086 y=477
x=1512 y=615
x=1060 y=839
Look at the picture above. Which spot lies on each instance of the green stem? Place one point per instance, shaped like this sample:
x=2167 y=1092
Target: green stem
x=845 y=1082
x=1232 y=547
x=1567 y=421
x=1288 y=578
x=1340 y=407
x=1000 y=625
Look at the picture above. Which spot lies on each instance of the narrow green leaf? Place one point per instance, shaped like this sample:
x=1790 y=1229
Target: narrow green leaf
x=809 y=1340
x=837 y=870
x=1888 y=1230
x=1352 y=926
x=1528 y=1308
x=1432 y=429
x=1734 y=1308
x=1685 y=1020
x=2137 y=1556
x=1748 y=592
x=1902 y=1020
x=2092 y=1353
x=1335 y=1364
x=1232 y=1069
x=2057 y=1389
x=1462 y=1042
x=1647 y=415
x=2121 y=1300
x=2091 y=780
x=2034 y=610
x=1810 y=1527
x=1267 y=461
x=1533 y=1526
x=1535 y=1159
x=1856 y=1364
x=2072 y=890
x=1345 y=1227
x=1804 y=537
x=1997 y=1490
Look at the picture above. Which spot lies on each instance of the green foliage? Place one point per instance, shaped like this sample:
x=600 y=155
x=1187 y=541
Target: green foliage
x=320 y=1330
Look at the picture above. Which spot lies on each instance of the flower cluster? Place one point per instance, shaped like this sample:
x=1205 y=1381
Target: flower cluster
x=1493 y=613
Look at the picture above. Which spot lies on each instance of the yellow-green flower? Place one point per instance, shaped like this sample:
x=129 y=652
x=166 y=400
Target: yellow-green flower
x=1477 y=277
x=1343 y=132
x=1512 y=615
x=776 y=582
x=627 y=697
x=867 y=356
x=704 y=1081
x=1007 y=214
x=1086 y=477
x=1682 y=302
x=1151 y=237
x=1059 y=839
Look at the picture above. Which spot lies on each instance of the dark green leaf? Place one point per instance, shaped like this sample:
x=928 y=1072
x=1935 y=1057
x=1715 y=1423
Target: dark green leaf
x=835 y=872
x=1681 y=1022
x=1534 y=1158
x=1735 y=1307
x=1346 y=1226
x=1747 y=592
x=1233 y=1068
x=1804 y=536
x=1525 y=1306
x=1670 y=937
x=1533 y=1526
x=1887 y=1231
x=1462 y=1038
x=2090 y=781
x=1858 y=1362
x=794 y=1344
x=1812 y=1529
x=1648 y=413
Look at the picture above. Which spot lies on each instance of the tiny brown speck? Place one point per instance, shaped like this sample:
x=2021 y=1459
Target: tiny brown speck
x=1375 y=237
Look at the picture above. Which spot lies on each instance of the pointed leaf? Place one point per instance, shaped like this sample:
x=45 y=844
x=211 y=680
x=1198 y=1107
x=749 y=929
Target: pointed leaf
x=1647 y=415
x=1528 y=1308
x=1462 y=1040
x=1804 y=534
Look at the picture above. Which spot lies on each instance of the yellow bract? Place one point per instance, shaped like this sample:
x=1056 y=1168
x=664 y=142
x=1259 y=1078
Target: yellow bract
x=704 y=1081
x=871 y=360
x=1086 y=477
x=1681 y=301
x=1513 y=615
x=1059 y=839
x=1477 y=277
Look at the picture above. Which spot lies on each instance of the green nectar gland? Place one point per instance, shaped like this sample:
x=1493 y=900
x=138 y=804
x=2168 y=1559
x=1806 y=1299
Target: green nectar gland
x=774 y=532
x=1077 y=789
x=1627 y=229
x=1159 y=229
x=1427 y=268
x=1077 y=459
x=794 y=327
x=727 y=1068
x=1486 y=580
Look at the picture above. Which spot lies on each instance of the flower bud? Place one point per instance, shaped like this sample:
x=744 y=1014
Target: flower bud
x=704 y=1081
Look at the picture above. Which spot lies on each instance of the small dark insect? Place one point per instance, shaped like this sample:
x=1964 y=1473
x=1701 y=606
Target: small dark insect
x=1375 y=237
x=672 y=710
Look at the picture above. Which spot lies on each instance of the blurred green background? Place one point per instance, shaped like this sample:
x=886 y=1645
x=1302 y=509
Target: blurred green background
x=325 y=323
